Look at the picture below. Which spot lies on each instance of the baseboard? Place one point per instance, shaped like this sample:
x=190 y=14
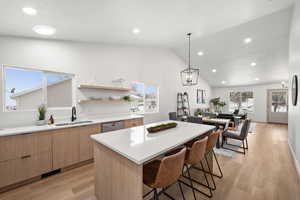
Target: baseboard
x=296 y=162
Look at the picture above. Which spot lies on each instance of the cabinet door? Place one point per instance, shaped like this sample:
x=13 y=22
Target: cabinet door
x=65 y=147
x=85 y=141
x=13 y=171
x=7 y=173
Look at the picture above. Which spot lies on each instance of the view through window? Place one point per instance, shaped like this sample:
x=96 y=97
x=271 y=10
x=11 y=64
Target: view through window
x=242 y=101
x=145 y=98
x=25 y=89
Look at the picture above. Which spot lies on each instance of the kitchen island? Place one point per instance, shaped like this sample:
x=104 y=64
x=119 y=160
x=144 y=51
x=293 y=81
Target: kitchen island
x=120 y=155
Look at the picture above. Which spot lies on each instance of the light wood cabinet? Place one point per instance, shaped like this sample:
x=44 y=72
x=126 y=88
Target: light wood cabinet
x=65 y=147
x=133 y=122
x=27 y=156
x=86 y=151
x=14 y=147
x=20 y=169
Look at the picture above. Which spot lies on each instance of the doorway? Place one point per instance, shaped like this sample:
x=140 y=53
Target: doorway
x=278 y=106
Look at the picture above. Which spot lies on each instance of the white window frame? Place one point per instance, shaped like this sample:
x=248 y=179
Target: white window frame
x=144 y=98
x=44 y=88
x=241 y=91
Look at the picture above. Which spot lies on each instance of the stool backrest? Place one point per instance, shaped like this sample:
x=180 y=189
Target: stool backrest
x=170 y=169
x=197 y=151
x=212 y=140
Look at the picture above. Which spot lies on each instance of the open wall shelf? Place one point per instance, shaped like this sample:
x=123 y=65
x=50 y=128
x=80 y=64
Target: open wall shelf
x=99 y=87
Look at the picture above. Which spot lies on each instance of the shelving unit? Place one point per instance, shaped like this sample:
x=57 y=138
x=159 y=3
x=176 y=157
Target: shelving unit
x=99 y=87
x=101 y=101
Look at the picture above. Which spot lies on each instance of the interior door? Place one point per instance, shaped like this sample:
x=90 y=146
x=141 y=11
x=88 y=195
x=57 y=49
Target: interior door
x=278 y=106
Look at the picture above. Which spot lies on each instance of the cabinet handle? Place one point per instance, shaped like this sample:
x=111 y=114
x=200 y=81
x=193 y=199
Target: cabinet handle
x=27 y=156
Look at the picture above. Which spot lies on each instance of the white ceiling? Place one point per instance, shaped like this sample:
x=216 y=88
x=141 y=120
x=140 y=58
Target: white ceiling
x=218 y=28
x=162 y=22
x=227 y=52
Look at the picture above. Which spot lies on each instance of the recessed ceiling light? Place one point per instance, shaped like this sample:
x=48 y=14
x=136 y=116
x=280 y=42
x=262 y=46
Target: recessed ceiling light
x=247 y=40
x=253 y=64
x=214 y=70
x=257 y=79
x=44 y=30
x=200 y=53
x=29 y=11
x=223 y=82
x=136 y=31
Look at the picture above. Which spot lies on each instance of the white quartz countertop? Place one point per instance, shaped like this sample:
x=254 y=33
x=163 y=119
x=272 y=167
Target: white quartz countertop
x=139 y=146
x=32 y=129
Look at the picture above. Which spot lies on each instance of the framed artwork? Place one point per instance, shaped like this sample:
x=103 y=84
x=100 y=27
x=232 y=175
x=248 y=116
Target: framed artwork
x=295 y=90
x=201 y=94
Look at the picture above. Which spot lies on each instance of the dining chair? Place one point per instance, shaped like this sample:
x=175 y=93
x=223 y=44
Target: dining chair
x=164 y=173
x=241 y=136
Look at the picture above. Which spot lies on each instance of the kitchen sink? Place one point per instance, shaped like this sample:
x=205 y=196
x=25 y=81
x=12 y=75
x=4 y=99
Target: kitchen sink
x=72 y=123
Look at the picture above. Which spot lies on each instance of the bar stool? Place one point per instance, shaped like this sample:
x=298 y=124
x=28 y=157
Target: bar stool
x=211 y=143
x=164 y=173
x=194 y=155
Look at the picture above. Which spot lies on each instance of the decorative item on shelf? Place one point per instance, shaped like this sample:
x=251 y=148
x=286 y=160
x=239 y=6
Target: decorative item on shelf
x=114 y=98
x=95 y=98
x=118 y=82
x=217 y=104
x=127 y=98
x=42 y=110
x=190 y=75
x=161 y=127
x=295 y=90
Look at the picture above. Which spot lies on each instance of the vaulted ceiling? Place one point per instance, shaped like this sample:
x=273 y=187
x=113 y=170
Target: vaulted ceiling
x=227 y=60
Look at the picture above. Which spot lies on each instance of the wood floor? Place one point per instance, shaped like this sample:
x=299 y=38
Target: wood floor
x=266 y=172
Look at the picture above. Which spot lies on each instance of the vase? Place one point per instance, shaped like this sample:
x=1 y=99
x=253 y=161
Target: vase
x=40 y=122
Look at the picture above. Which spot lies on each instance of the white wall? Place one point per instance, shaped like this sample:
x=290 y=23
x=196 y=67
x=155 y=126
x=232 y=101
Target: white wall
x=260 y=98
x=100 y=63
x=294 y=111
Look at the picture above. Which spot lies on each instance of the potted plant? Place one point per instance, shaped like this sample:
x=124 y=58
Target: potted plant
x=217 y=104
x=127 y=98
x=42 y=115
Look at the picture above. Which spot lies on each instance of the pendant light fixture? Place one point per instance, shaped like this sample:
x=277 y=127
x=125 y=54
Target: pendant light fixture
x=190 y=75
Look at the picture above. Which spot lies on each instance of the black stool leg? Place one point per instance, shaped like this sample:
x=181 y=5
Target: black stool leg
x=155 y=195
x=221 y=173
x=191 y=182
x=180 y=187
x=211 y=173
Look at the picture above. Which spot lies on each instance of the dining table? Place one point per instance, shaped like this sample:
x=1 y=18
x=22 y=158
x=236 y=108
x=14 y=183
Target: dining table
x=120 y=155
x=219 y=123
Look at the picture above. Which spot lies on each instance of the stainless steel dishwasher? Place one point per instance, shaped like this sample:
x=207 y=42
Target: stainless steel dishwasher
x=112 y=126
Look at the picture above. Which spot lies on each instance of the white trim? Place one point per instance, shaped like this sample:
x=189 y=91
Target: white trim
x=296 y=162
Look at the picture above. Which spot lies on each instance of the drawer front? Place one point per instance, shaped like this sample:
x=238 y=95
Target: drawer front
x=13 y=171
x=14 y=147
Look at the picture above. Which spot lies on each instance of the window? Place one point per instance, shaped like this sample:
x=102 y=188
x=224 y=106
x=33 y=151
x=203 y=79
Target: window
x=23 y=89
x=243 y=101
x=59 y=90
x=145 y=98
x=26 y=89
x=279 y=102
